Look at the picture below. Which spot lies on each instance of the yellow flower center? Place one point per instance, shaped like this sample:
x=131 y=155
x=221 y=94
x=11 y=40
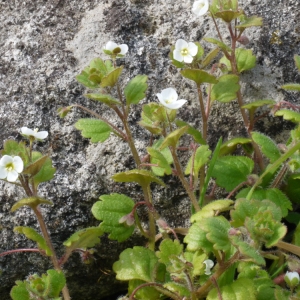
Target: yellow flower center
x=201 y=5
x=168 y=101
x=9 y=167
x=184 y=52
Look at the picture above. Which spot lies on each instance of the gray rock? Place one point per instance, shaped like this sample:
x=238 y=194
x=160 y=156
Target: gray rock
x=44 y=45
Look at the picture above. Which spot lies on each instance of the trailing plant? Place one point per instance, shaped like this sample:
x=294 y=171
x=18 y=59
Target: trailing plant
x=237 y=246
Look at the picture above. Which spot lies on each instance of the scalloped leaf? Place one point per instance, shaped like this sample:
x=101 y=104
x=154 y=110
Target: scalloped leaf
x=31 y=234
x=198 y=76
x=85 y=238
x=110 y=209
x=31 y=202
x=136 y=263
x=225 y=90
x=211 y=208
x=142 y=177
x=230 y=171
x=19 y=291
x=196 y=239
x=250 y=22
x=145 y=293
x=178 y=288
x=267 y=146
x=104 y=98
x=157 y=157
x=289 y=115
x=135 y=89
x=231 y=145
x=196 y=134
x=167 y=249
x=241 y=289
x=54 y=283
x=173 y=137
x=220 y=44
x=96 y=130
x=111 y=78
x=201 y=157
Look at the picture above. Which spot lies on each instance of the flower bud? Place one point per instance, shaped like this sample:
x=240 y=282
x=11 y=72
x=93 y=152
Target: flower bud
x=291 y=279
x=128 y=219
x=243 y=40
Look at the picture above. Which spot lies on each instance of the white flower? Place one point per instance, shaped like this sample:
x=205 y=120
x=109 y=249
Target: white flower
x=184 y=51
x=208 y=265
x=292 y=279
x=200 y=7
x=169 y=98
x=10 y=167
x=116 y=49
x=35 y=134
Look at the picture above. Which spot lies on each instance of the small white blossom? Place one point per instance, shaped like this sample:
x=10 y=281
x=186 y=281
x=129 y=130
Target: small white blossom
x=116 y=49
x=169 y=98
x=292 y=279
x=10 y=167
x=200 y=7
x=184 y=51
x=34 y=134
x=208 y=265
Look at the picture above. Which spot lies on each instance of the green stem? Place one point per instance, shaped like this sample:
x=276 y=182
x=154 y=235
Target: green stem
x=204 y=117
x=53 y=257
x=182 y=179
x=273 y=167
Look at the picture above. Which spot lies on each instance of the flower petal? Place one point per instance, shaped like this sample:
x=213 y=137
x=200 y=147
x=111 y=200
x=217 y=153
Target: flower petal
x=193 y=48
x=188 y=59
x=177 y=104
x=27 y=131
x=110 y=46
x=12 y=176
x=3 y=172
x=177 y=55
x=169 y=93
x=124 y=49
x=180 y=43
x=41 y=135
x=18 y=164
x=6 y=159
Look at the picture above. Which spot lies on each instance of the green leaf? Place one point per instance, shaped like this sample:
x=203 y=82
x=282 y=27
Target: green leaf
x=46 y=172
x=136 y=263
x=259 y=103
x=220 y=44
x=241 y=289
x=210 y=209
x=282 y=294
x=110 y=210
x=250 y=22
x=201 y=157
x=96 y=130
x=173 y=137
x=168 y=249
x=198 y=76
x=196 y=239
x=54 y=283
x=228 y=15
x=267 y=146
x=32 y=202
x=12 y=148
x=200 y=52
x=111 y=78
x=291 y=87
x=84 y=79
x=178 y=288
x=142 y=177
x=35 y=166
x=145 y=293
x=217 y=232
x=297 y=61
x=31 y=234
x=230 y=171
x=226 y=5
x=84 y=238
x=19 y=291
x=292 y=189
x=288 y=115
x=247 y=251
x=231 y=145
x=225 y=90
x=135 y=89
x=106 y=99
x=296 y=237
x=196 y=134
x=210 y=57
x=158 y=158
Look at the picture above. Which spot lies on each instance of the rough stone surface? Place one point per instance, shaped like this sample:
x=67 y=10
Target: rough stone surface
x=45 y=44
